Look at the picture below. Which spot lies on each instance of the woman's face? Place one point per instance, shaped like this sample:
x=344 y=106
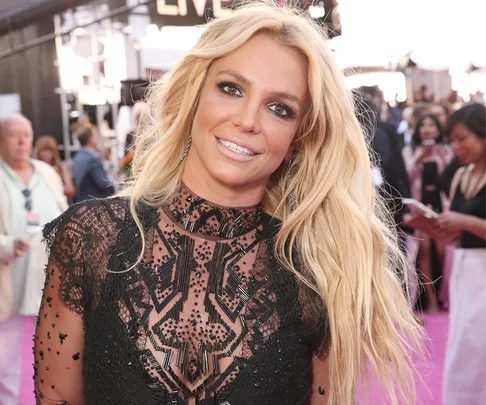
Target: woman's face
x=250 y=108
x=428 y=130
x=467 y=146
x=46 y=155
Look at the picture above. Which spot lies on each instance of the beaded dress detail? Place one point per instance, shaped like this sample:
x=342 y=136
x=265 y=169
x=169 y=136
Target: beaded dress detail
x=207 y=317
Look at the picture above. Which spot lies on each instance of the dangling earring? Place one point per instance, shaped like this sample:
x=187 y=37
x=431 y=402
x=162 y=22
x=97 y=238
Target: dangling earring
x=292 y=202
x=187 y=147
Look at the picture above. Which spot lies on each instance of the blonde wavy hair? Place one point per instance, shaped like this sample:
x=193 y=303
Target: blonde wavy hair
x=340 y=228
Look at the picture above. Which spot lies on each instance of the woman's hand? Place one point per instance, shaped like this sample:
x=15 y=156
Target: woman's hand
x=451 y=224
x=424 y=153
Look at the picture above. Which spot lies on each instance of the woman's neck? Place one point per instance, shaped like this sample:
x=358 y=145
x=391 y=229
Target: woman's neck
x=208 y=219
x=219 y=193
x=479 y=167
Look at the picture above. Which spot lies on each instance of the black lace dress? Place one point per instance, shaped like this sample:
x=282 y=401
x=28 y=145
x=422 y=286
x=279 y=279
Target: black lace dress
x=208 y=317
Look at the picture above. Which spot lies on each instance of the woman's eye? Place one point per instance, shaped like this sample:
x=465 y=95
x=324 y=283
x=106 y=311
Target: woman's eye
x=281 y=110
x=230 y=89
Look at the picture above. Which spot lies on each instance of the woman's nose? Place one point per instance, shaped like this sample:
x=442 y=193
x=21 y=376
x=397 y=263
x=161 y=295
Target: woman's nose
x=247 y=118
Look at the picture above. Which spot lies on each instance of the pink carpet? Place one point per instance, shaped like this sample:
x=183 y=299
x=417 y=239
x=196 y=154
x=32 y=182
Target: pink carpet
x=430 y=370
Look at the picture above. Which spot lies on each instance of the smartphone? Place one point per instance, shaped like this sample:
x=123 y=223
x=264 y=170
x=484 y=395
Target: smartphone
x=428 y=142
x=418 y=206
x=430 y=190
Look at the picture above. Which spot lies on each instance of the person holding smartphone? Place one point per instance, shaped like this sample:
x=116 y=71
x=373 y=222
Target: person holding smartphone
x=465 y=224
x=425 y=158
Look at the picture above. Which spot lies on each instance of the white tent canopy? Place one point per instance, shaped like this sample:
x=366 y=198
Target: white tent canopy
x=437 y=34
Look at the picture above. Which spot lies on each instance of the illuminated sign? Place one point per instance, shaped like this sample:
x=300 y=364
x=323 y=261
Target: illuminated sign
x=188 y=12
x=219 y=7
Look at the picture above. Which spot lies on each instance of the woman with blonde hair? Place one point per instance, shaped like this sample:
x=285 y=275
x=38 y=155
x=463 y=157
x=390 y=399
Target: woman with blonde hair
x=249 y=261
x=46 y=149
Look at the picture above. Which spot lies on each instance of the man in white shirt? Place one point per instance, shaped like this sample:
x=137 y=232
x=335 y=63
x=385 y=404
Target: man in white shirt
x=31 y=194
x=405 y=128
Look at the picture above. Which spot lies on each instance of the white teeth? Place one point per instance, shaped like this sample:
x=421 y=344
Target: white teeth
x=235 y=148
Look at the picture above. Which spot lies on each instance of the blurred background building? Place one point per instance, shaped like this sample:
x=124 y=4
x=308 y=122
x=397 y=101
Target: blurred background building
x=67 y=61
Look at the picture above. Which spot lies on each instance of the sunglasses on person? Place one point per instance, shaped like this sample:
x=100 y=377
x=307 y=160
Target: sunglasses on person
x=28 y=199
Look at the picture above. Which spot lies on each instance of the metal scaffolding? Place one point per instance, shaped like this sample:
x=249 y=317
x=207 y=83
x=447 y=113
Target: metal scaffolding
x=57 y=36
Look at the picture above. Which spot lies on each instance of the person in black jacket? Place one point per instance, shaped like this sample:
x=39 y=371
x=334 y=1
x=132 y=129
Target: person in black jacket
x=386 y=146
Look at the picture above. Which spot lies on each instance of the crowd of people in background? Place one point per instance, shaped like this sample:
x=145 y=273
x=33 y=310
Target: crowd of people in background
x=440 y=162
x=418 y=160
x=431 y=152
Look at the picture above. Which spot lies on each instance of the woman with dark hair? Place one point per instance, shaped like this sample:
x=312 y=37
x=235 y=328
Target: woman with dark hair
x=465 y=366
x=425 y=159
x=428 y=128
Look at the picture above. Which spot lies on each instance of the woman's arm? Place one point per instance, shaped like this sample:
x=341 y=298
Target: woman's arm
x=452 y=222
x=475 y=225
x=320 y=380
x=69 y=189
x=59 y=341
x=59 y=337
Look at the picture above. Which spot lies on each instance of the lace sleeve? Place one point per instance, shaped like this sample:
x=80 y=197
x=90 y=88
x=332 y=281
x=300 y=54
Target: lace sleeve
x=59 y=337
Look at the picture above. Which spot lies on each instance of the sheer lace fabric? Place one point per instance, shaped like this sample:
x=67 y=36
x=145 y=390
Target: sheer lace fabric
x=208 y=316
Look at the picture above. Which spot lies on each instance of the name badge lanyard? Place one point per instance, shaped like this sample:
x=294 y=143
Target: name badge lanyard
x=28 y=199
x=26 y=192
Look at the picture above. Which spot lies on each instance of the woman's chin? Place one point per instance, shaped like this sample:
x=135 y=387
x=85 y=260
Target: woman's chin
x=233 y=178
